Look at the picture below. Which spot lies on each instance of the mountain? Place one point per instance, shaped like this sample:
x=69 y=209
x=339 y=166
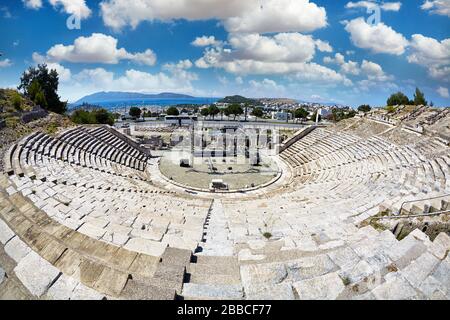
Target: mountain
x=100 y=97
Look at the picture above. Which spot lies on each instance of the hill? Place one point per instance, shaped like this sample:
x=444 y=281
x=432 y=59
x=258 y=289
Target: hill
x=237 y=99
x=100 y=97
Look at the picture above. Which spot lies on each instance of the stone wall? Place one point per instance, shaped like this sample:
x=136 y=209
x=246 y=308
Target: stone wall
x=35 y=114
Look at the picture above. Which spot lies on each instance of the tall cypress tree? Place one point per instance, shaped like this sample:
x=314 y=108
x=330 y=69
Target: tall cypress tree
x=419 y=98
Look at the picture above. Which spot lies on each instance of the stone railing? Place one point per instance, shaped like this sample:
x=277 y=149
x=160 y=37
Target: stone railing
x=128 y=140
x=295 y=138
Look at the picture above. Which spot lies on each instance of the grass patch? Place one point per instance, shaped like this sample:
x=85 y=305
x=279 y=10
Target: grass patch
x=267 y=235
x=12 y=122
x=51 y=129
x=392 y=268
x=346 y=281
x=378 y=226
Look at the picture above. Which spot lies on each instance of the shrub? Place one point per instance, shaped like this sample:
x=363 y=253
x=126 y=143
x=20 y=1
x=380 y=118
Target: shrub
x=52 y=128
x=98 y=116
x=17 y=101
x=135 y=112
x=267 y=235
x=173 y=111
x=397 y=99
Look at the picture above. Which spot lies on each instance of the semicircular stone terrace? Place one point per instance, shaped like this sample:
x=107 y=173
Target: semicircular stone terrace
x=82 y=207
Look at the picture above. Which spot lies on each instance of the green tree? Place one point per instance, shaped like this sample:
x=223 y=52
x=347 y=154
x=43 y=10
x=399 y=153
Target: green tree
x=81 y=116
x=135 y=112
x=40 y=100
x=257 y=112
x=419 y=98
x=205 y=112
x=213 y=111
x=17 y=101
x=102 y=116
x=235 y=110
x=33 y=89
x=97 y=116
x=173 y=111
x=48 y=80
x=397 y=99
x=301 y=114
x=364 y=108
x=227 y=111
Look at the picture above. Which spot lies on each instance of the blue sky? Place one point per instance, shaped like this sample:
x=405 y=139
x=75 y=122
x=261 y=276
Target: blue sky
x=332 y=51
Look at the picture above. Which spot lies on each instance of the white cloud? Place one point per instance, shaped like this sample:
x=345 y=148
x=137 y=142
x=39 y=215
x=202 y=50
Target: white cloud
x=65 y=75
x=33 y=4
x=98 y=48
x=77 y=8
x=443 y=92
x=180 y=70
x=5 y=63
x=265 y=88
x=374 y=71
x=278 y=16
x=378 y=38
x=370 y=5
x=369 y=85
x=250 y=16
x=350 y=67
x=239 y=80
x=432 y=54
x=223 y=80
x=391 y=6
x=73 y=7
x=287 y=47
x=205 y=41
x=281 y=54
x=323 y=46
x=441 y=7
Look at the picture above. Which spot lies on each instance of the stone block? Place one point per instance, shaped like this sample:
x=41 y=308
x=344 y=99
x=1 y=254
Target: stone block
x=326 y=287
x=440 y=246
x=146 y=246
x=17 y=249
x=395 y=289
x=36 y=274
x=418 y=270
x=282 y=291
x=205 y=291
x=5 y=232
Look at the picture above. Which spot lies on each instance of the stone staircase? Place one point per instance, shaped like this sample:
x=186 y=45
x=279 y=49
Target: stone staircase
x=374 y=266
x=213 y=277
x=55 y=262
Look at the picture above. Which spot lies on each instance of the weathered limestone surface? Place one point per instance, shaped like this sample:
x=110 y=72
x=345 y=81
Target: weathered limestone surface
x=36 y=274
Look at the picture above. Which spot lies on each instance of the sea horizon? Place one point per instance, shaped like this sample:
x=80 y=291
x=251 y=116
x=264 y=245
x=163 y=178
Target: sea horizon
x=150 y=102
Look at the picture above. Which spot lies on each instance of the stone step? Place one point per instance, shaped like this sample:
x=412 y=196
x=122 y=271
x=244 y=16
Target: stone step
x=142 y=290
x=214 y=292
x=216 y=279
x=217 y=260
x=213 y=268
